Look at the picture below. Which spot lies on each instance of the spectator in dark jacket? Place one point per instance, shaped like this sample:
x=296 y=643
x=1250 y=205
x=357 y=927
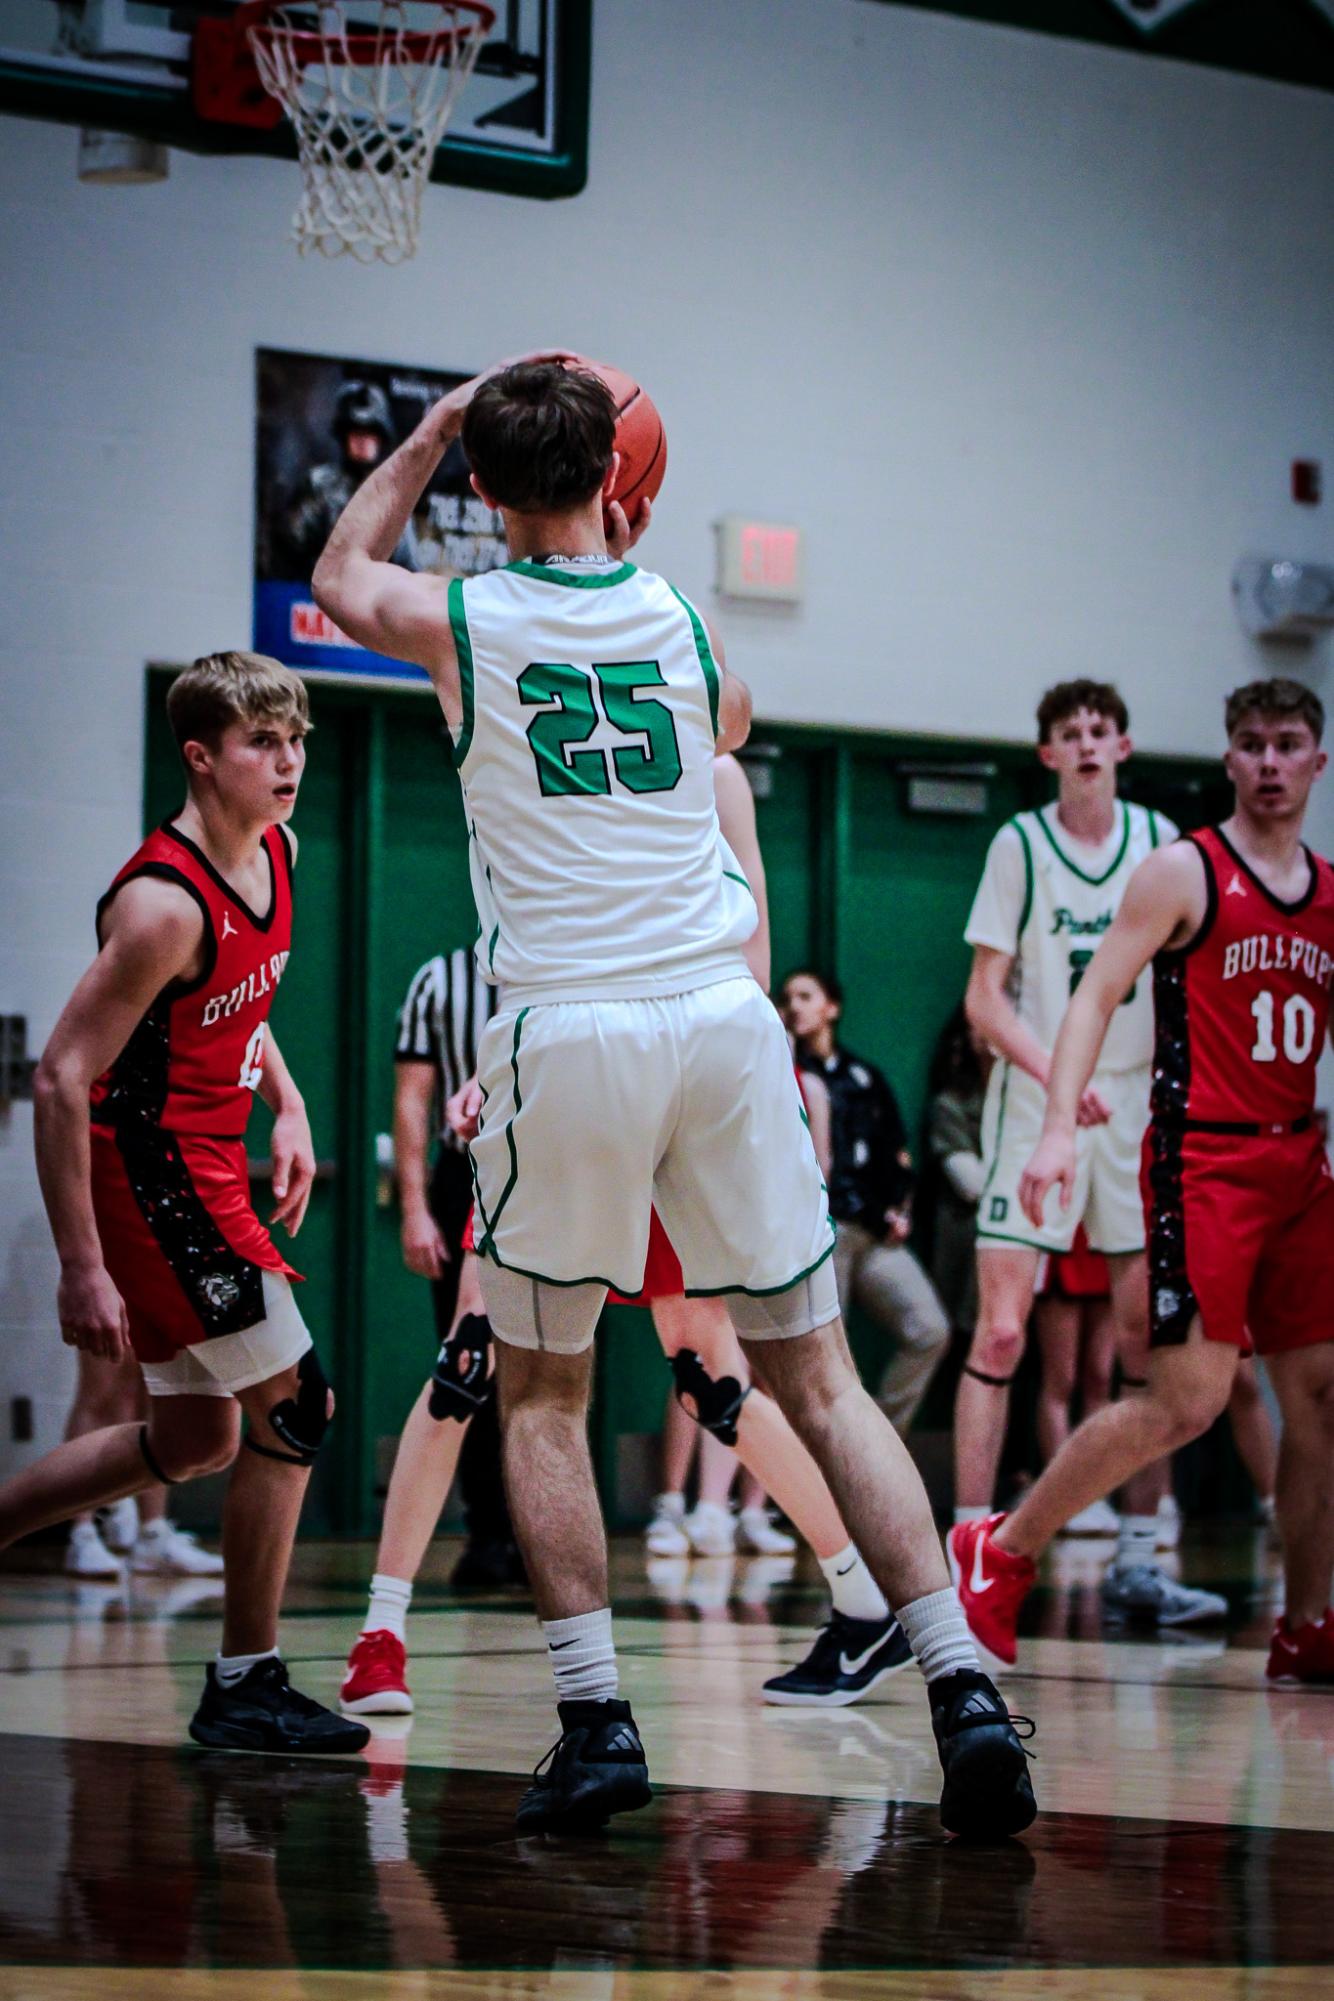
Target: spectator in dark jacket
x=870 y=1197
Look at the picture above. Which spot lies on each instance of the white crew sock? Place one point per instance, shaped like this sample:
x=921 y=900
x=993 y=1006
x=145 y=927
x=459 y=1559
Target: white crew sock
x=582 y=1656
x=938 y=1634
x=387 y=1611
x=156 y=1531
x=854 y=1591
x=228 y=1669
x=1136 y=1541
x=970 y=1515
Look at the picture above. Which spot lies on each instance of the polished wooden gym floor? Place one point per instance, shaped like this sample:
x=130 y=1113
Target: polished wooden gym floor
x=1185 y=1845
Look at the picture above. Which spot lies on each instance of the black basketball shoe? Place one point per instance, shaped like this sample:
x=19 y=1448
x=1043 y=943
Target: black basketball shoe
x=987 y=1793
x=850 y=1658
x=595 y=1770
x=263 y=1712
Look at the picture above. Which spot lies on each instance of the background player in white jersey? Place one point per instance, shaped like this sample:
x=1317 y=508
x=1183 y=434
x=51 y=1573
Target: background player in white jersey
x=1052 y=884
x=634 y=1060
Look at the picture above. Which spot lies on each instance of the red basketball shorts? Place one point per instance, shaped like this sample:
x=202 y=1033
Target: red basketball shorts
x=662 y=1267
x=1240 y=1231
x=662 y=1270
x=181 y=1240
x=1079 y=1273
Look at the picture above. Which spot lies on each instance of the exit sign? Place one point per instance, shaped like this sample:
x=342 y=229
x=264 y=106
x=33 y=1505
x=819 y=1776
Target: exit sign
x=759 y=559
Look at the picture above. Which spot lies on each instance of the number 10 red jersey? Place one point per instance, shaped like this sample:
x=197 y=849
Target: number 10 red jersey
x=1241 y=1013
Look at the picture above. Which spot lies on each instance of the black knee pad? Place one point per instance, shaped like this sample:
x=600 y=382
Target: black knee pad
x=300 y=1421
x=717 y=1404
x=460 y=1385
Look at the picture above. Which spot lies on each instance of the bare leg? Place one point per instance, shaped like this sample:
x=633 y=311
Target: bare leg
x=424 y=1467
x=106 y=1394
x=1056 y=1323
x=1130 y=1308
x=680 y=1435
x=153 y=1500
x=1304 y=1384
x=549 y=1477
x=259 y=1521
x=1253 y=1430
x=717 y=1470
x=875 y=1485
x=1005 y=1279
x=1097 y=1355
x=197 y=1436
x=767 y=1445
x=1188 y=1386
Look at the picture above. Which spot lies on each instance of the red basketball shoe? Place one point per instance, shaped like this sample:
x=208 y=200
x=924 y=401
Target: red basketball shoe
x=1304 y=1658
x=991 y=1584
x=376 y=1683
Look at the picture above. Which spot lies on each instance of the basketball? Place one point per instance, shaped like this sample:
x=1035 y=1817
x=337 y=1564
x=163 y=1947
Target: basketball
x=640 y=438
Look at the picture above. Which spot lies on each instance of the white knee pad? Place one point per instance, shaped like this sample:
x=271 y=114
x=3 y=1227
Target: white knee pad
x=779 y=1316
x=532 y=1313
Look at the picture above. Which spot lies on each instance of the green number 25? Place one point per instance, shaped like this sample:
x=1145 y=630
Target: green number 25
x=555 y=736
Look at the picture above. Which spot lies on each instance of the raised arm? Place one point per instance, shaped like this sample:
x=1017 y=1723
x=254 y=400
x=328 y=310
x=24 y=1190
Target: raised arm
x=1163 y=906
x=153 y=934
x=379 y=604
x=736 y=817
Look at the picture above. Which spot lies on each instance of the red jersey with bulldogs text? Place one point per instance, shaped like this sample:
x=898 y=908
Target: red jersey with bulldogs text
x=1239 y=1202
x=1242 y=1013
x=194 y=1062
x=170 y=1178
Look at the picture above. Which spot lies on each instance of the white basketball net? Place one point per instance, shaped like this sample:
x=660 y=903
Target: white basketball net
x=370 y=98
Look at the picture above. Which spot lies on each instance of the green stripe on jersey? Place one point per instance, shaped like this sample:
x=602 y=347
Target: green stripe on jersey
x=573 y=580
x=1095 y=880
x=708 y=665
x=458 y=619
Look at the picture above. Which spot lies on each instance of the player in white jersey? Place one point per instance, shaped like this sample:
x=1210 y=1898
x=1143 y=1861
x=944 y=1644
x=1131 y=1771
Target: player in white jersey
x=1052 y=884
x=634 y=1060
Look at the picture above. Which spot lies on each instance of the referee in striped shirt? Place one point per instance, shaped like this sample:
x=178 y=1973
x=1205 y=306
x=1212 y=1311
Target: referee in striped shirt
x=448 y=1005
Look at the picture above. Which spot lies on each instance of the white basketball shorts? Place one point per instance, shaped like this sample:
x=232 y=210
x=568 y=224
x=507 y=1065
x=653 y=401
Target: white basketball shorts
x=595 y=1111
x=226 y=1363
x=1106 y=1198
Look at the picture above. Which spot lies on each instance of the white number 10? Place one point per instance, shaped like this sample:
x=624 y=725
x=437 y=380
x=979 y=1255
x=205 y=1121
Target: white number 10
x=1298 y=1028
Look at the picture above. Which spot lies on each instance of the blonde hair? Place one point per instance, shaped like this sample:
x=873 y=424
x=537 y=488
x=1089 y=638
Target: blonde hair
x=223 y=688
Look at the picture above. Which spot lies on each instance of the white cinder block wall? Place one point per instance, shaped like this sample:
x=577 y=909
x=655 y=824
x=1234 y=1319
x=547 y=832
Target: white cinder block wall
x=1023 y=333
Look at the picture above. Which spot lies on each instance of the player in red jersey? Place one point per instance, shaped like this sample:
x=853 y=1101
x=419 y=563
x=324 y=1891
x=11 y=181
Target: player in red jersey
x=161 y=1252
x=1238 y=921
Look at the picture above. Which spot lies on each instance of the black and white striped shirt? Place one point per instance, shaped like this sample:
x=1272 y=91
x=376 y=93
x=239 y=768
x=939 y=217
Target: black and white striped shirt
x=448 y=1005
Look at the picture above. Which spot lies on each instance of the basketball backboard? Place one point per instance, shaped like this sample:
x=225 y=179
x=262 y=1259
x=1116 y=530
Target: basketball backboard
x=125 y=66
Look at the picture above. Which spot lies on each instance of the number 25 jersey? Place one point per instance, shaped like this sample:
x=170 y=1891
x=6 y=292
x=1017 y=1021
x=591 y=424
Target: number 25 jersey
x=1241 y=1013
x=590 y=710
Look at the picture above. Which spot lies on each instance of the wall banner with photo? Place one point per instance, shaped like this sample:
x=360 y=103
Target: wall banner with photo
x=323 y=427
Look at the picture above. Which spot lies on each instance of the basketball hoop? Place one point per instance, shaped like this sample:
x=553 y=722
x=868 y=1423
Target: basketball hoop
x=369 y=86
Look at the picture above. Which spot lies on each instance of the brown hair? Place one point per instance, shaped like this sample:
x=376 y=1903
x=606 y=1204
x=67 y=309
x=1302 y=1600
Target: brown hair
x=540 y=436
x=223 y=688
x=1067 y=698
x=1276 y=700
